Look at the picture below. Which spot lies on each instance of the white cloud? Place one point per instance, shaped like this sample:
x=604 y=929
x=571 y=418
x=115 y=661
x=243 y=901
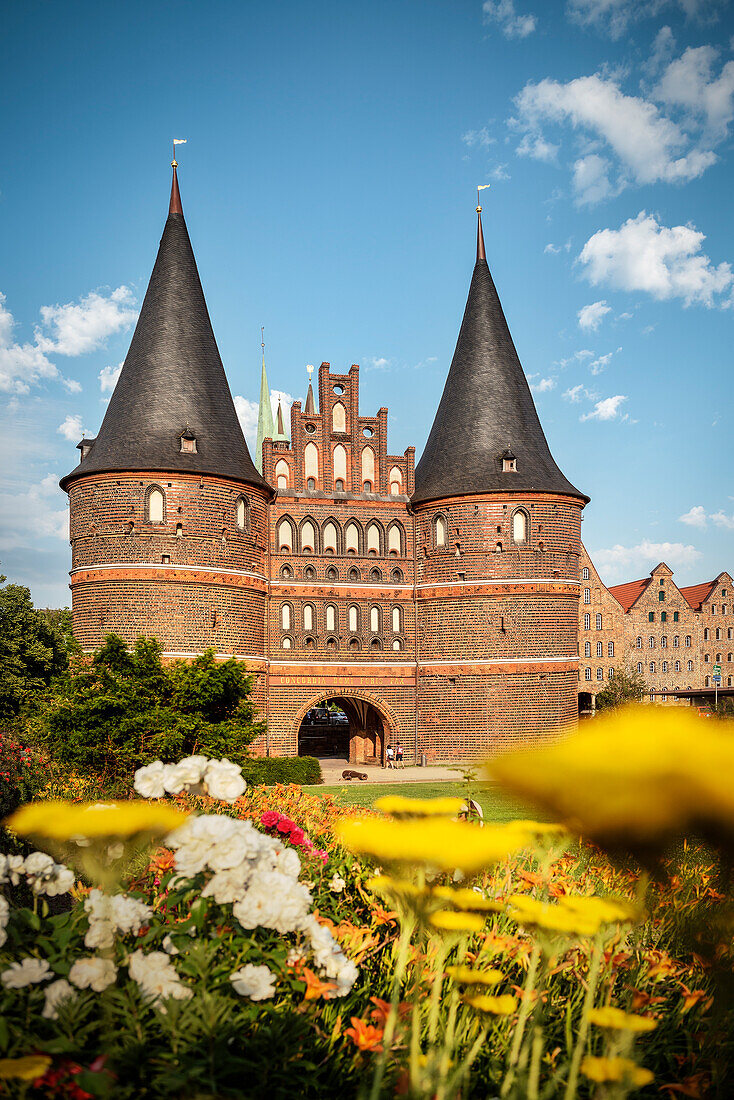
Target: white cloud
x=599 y=364
x=482 y=138
x=512 y=24
x=247 y=412
x=72 y=429
x=378 y=362
x=649 y=146
x=535 y=146
x=577 y=357
x=617 y=562
x=695 y=517
x=578 y=393
x=722 y=520
x=80 y=327
x=39 y=510
x=108 y=378
x=21 y=365
x=613 y=17
x=591 y=316
x=499 y=173
x=606 y=409
x=543 y=385
x=662 y=51
x=664 y=262
x=689 y=82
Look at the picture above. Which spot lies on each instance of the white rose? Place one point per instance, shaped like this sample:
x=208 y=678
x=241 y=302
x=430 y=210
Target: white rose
x=156 y=976
x=57 y=992
x=169 y=946
x=337 y=883
x=15 y=869
x=226 y=886
x=4 y=911
x=61 y=882
x=93 y=973
x=101 y=933
x=148 y=780
x=191 y=769
x=255 y=982
x=26 y=972
x=223 y=780
x=38 y=865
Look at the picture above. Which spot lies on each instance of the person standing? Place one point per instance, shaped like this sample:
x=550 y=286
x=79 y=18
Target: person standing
x=398 y=755
x=390 y=756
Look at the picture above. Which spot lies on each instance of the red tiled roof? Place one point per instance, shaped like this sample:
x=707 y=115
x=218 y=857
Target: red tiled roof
x=695 y=594
x=627 y=594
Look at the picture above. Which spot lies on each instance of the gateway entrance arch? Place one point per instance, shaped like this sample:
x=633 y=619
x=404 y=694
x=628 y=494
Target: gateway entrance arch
x=347 y=725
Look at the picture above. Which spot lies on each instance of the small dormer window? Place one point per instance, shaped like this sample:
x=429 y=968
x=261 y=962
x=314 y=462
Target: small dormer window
x=509 y=462
x=188 y=443
x=84 y=447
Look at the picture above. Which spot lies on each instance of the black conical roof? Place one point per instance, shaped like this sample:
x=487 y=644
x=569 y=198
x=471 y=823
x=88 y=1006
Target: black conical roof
x=486 y=408
x=172 y=380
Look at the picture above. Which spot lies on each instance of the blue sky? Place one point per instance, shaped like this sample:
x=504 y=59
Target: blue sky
x=328 y=184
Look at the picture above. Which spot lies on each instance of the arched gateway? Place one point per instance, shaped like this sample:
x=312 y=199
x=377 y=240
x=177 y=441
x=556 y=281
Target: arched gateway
x=352 y=725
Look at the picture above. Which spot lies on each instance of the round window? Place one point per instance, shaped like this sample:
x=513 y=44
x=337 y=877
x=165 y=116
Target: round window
x=338 y=389
x=367 y=431
x=310 y=428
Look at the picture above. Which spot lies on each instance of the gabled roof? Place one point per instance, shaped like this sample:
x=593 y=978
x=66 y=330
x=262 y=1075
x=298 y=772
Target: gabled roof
x=486 y=408
x=696 y=594
x=172 y=379
x=628 y=594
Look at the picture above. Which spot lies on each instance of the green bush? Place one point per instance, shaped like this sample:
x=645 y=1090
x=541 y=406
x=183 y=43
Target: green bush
x=124 y=708
x=267 y=770
x=32 y=652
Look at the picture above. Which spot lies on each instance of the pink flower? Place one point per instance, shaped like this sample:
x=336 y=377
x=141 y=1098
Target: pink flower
x=269 y=819
x=285 y=825
x=297 y=836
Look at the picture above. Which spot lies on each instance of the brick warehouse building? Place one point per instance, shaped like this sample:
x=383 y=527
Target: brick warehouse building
x=437 y=604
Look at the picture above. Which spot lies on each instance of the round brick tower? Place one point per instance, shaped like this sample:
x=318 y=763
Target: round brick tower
x=498 y=530
x=168 y=513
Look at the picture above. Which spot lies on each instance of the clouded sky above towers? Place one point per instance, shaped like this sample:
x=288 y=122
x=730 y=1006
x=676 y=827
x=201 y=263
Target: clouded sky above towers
x=328 y=186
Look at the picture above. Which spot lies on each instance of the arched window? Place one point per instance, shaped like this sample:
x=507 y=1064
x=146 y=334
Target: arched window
x=397 y=621
x=354 y=574
x=310 y=643
x=353 y=617
x=242 y=513
x=351 y=536
x=156 y=505
x=664 y=641
x=287 y=643
x=706 y=634
x=311 y=464
x=376 y=575
x=368 y=468
x=340 y=465
x=718 y=633
x=690 y=666
x=286 y=572
x=610 y=649
x=395 y=539
x=676 y=641
x=440 y=531
x=397 y=576
x=375 y=644
x=282 y=474
x=308 y=617
x=354 y=643
x=285 y=537
x=308 y=537
x=373 y=539
x=330 y=618
x=665 y=666
x=587 y=621
x=375 y=620
x=332 y=574
x=585 y=573
x=639 y=666
x=397 y=645
x=520 y=526
x=285 y=616
x=677 y=666
x=309 y=573
x=587 y=595
x=600 y=649
x=587 y=649
x=652 y=641
x=330 y=538
x=652 y=666
x=598 y=620
x=639 y=642
x=338 y=418
x=688 y=641
x=396 y=482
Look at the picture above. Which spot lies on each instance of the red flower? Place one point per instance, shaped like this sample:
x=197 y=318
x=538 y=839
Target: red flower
x=285 y=825
x=297 y=836
x=269 y=819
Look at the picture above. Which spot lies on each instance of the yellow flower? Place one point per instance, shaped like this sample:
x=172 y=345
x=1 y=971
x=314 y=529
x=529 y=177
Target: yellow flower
x=385 y=884
x=538 y=828
x=445 y=845
x=606 y=910
x=419 y=807
x=616 y=1069
x=70 y=821
x=539 y=914
x=24 y=1069
x=448 y=921
x=464 y=898
x=608 y=1016
x=464 y=975
x=495 y=1006
x=633 y=777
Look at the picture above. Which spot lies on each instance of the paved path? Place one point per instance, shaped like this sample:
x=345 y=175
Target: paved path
x=332 y=768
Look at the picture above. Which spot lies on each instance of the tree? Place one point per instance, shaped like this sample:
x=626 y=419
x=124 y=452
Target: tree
x=32 y=651
x=121 y=708
x=626 y=686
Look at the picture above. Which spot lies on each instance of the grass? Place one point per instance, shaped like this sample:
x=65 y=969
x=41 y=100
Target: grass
x=496 y=803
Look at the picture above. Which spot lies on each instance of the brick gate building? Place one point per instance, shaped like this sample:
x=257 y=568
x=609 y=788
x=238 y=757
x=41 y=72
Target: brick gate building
x=437 y=604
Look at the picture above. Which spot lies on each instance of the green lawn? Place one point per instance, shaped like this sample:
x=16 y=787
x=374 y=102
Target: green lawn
x=496 y=804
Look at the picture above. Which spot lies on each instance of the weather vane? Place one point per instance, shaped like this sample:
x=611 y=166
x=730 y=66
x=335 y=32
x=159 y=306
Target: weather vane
x=309 y=368
x=262 y=337
x=176 y=141
x=482 y=187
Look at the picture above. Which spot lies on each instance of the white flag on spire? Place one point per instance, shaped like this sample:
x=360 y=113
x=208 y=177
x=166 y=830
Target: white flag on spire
x=483 y=186
x=179 y=141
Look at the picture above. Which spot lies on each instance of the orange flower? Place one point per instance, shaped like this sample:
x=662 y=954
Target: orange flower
x=315 y=988
x=382 y=1009
x=383 y=916
x=366 y=1037
x=694 y=997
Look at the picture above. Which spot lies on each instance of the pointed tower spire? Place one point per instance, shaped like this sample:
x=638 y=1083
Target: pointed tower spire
x=281 y=436
x=172 y=380
x=486 y=436
x=310 y=409
x=265 y=413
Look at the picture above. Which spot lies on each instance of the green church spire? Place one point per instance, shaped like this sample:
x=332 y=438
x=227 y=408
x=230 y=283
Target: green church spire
x=265 y=429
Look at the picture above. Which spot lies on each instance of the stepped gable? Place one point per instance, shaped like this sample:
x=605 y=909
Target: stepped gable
x=486 y=411
x=696 y=594
x=172 y=381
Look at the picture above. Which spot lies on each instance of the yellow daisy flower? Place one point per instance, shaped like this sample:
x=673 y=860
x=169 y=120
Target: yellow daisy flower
x=447 y=921
x=621 y=1070
x=494 y=1006
x=616 y=1018
x=553 y=918
x=434 y=842
x=465 y=975
x=27 y=1068
x=90 y=820
x=464 y=898
x=399 y=806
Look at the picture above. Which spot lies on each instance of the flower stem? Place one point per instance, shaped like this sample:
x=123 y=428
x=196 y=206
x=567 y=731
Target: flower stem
x=403 y=948
x=436 y=988
x=583 y=1031
x=521 y=1020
